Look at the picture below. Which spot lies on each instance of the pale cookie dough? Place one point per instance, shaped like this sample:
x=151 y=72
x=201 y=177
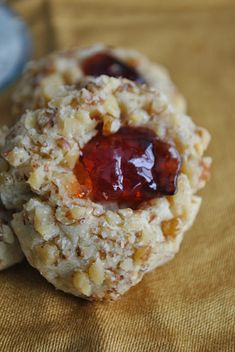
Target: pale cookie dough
x=10 y=251
x=93 y=250
x=42 y=79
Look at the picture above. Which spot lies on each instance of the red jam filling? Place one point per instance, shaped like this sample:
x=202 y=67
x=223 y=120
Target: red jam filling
x=103 y=63
x=130 y=166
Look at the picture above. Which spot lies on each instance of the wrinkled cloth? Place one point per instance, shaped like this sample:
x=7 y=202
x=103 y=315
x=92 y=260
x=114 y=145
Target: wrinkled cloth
x=188 y=304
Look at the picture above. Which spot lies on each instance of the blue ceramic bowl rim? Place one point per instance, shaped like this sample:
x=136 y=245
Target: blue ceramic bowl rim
x=26 y=43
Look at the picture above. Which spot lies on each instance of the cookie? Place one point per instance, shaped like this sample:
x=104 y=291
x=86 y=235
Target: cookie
x=43 y=78
x=98 y=248
x=10 y=251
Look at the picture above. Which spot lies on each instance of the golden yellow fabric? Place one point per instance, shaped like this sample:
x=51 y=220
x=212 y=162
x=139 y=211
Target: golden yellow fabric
x=188 y=304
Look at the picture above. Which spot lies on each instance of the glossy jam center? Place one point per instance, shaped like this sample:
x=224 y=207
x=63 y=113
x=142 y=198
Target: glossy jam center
x=130 y=166
x=103 y=63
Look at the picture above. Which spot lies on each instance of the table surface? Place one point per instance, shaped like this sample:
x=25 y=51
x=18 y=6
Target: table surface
x=188 y=304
